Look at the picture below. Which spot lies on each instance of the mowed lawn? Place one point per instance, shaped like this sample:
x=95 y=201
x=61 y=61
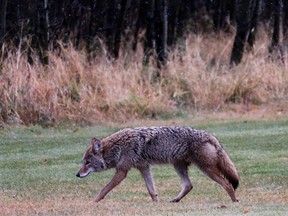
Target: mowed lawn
x=38 y=167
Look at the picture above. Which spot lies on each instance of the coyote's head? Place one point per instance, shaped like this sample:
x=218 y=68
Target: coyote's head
x=92 y=160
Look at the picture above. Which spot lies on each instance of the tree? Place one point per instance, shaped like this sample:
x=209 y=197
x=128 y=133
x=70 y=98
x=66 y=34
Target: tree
x=3 y=20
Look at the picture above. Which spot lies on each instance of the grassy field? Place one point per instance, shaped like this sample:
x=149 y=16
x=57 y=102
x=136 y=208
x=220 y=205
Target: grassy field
x=38 y=167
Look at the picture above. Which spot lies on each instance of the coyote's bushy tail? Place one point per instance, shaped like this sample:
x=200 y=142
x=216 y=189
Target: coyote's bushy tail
x=228 y=169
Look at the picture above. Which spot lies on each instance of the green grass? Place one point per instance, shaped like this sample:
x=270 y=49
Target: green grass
x=38 y=167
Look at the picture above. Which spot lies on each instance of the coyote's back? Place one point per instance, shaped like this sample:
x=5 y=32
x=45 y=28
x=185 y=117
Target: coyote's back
x=180 y=146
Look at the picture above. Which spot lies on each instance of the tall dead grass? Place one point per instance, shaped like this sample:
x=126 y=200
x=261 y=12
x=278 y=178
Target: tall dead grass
x=72 y=88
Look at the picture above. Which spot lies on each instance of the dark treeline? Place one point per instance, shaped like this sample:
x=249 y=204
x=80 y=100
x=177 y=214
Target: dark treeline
x=38 y=26
x=248 y=15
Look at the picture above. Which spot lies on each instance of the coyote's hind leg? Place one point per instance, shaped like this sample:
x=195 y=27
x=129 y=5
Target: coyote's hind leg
x=182 y=171
x=215 y=174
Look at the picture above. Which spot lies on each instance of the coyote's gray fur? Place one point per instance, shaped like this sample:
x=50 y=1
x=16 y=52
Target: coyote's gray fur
x=142 y=146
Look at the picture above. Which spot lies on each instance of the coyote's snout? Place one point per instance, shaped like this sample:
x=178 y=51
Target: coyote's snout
x=140 y=147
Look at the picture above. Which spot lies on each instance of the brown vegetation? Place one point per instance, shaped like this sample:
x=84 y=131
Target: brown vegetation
x=75 y=89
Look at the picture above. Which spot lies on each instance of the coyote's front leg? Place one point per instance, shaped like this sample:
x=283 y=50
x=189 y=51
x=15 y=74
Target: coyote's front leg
x=146 y=174
x=117 y=179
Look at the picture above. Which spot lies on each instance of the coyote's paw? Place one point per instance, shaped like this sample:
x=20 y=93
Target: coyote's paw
x=92 y=202
x=96 y=200
x=175 y=200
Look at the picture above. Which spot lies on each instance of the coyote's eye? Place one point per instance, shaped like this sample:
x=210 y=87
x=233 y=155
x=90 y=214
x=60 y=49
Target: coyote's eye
x=88 y=162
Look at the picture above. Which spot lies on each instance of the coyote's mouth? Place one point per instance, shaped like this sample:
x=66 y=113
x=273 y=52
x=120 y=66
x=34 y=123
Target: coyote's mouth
x=83 y=175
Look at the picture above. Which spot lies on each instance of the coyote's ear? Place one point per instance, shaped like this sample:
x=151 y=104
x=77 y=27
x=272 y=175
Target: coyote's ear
x=96 y=144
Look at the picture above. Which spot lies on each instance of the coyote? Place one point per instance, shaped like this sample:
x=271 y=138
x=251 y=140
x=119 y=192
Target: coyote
x=142 y=146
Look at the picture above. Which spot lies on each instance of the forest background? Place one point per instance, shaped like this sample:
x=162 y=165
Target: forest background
x=100 y=61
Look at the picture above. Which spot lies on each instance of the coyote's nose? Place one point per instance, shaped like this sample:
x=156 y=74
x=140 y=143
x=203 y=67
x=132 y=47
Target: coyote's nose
x=78 y=174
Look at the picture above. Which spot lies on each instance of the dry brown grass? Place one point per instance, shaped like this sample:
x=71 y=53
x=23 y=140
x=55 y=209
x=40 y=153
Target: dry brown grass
x=71 y=88
x=255 y=201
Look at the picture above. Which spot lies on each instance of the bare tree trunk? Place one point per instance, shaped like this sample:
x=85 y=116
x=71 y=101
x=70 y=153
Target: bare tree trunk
x=244 y=13
x=138 y=23
x=43 y=31
x=79 y=27
x=150 y=25
x=39 y=33
x=278 y=25
x=47 y=23
x=93 y=4
x=119 y=28
x=253 y=26
x=161 y=30
x=3 y=20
